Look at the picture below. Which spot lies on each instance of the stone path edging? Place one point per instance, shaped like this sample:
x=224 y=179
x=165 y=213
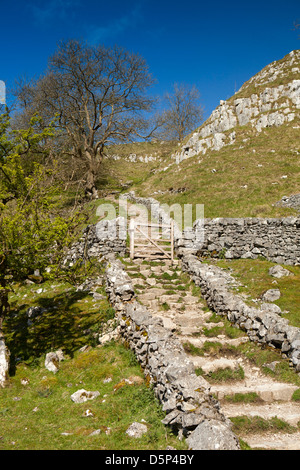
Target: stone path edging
x=262 y=326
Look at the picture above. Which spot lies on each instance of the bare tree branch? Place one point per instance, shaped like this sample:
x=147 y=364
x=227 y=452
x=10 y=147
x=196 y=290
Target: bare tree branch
x=183 y=112
x=99 y=95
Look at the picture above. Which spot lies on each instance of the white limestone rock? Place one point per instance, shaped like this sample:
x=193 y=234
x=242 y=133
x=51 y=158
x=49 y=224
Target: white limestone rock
x=4 y=362
x=53 y=359
x=83 y=395
x=136 y=430
x=273 y=106
x=278 y=271
x=271 y=295
x=213 y=435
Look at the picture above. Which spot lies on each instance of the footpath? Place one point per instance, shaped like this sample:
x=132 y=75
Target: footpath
x=247 y=395
x=243 y=389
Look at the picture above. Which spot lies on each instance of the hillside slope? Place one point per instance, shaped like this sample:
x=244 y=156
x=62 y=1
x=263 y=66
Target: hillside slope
x=270 y=98
x=245 y=158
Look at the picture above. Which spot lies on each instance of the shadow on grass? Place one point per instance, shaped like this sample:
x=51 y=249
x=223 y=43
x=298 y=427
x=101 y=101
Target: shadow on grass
x=60 y=322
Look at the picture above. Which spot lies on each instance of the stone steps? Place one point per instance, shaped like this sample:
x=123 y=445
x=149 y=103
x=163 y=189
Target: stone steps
x=286 y=411
x=185 y=317
x=278 y=441
x=268 y=392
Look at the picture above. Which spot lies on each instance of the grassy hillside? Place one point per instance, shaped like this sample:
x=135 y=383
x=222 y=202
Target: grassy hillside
x=244 y=179
x=121 y=174
x=36 y=410
x=241 y=180
x=37 y=413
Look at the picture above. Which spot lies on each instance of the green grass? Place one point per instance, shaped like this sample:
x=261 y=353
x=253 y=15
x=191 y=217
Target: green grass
x=255 y=280
x=191 y=349
x=244 y=424
x=223 y=375
x=226 y=329
x=250 y=397
x=259 y=163
x=296 y=395
x=35 y=406
x=256 y=160
x=122 y=175
x=35 y=416
x=71 y=318
x=165 y=306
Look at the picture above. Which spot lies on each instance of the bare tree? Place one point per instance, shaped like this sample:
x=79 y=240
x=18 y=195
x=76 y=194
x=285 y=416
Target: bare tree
x=184 y=112
x=99 y=97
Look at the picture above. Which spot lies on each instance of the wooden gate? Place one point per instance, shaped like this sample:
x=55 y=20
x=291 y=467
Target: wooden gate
x=151 y=241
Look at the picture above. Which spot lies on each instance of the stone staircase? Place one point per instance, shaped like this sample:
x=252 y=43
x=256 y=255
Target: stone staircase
x=168 y=293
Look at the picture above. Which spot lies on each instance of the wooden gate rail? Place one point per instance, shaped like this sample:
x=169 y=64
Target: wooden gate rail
x=153 y=247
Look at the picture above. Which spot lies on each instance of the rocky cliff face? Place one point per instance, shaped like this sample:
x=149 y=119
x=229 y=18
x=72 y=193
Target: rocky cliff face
x=270 y=98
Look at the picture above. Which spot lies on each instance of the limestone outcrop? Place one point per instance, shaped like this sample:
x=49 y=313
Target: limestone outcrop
x=261 y=102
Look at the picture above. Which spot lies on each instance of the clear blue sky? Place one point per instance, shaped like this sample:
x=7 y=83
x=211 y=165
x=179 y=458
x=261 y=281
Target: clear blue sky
x=215 y=45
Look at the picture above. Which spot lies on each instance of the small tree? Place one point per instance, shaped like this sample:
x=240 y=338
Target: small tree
x=184 y=112
x=99 y=95
x=32 y=233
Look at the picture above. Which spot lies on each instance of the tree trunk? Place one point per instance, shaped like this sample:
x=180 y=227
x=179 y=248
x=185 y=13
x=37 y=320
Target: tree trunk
x=94 y=161
x=90 y=187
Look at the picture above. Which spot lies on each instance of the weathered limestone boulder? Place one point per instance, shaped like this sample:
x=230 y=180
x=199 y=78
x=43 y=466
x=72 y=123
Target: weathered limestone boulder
x=271 y=295
x=278 y=271
x=83 y=395
x=270 y=308
x=136 y=430
x=53 y=359
x=213 y=435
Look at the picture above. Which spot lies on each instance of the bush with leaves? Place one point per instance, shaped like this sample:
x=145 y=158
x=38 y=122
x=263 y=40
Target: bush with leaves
x=33 y=234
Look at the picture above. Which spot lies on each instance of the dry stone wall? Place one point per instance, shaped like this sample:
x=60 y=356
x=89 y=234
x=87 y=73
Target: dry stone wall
x=107 y=236
x=277 y=240
x=262 y=325
x=185 y=397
